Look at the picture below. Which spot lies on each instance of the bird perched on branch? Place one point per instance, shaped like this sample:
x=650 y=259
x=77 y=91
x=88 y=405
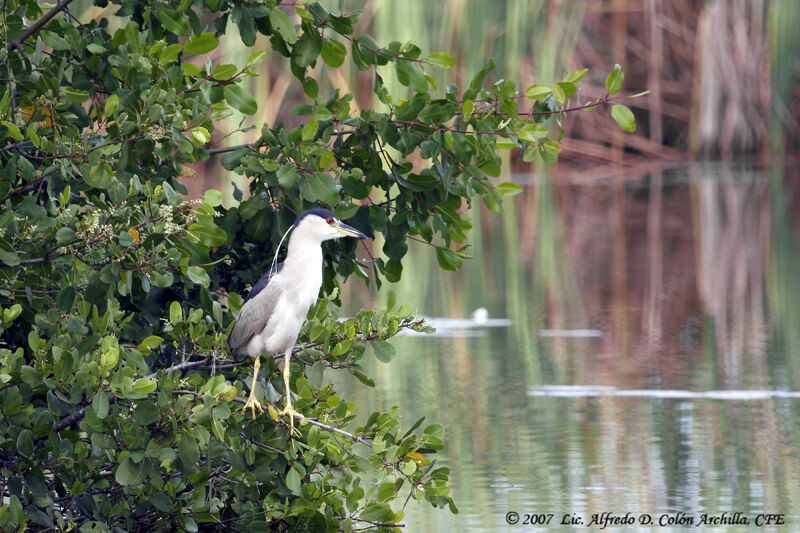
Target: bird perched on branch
x=276 y=307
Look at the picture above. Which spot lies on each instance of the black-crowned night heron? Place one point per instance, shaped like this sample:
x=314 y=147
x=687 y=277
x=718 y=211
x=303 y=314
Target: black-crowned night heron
x=276 y=307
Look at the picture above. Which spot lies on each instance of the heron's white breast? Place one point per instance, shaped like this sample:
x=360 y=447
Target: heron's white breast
x=298 y=282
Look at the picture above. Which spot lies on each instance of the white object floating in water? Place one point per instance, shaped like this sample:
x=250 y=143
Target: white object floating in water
x=480 y=315
x=571 y=333
x=588 y=391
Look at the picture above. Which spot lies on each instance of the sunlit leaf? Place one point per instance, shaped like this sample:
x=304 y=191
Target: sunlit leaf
x=624 y=117
x=614 y=80
x=508 y=188
x=558 y=93
x=440 y=59
x=201 y=44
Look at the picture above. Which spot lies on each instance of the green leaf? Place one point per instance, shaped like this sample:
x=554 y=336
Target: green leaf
x=321 y=187
x=387 y=490
x=201 y=44
x=129 y=473
x=112 y=102
x=191 y=70
x=201 y=135
x=558 y=93
x=310 y=87
x=100 y=404
x=161 y=279
x=256 y=58
x=440 y=59
x=161 y=501
x=96 y=48
x=172 y=21
x=310 y=130
x=110 y=355
x=99 y=176
x=219 y=431
x=287 y=175
x=466 y=109
x=208 y=234
x=493 y=201
x=624 y=117
x=198 y=275
x=224 y=72
x=150 y=343
x=316 y=374
x=502 y=142
x=578 y=76
x=409 y=467
x=366 y=51
x=65 y=298
x=568 y=88
x=447 y=258
x=293 y=481
x=306 y=50
x=146 y=413
x=508 y=188
x=13 y=130
x=175 y=313
x=76 y=96
x=239 y=99
x=169 y=53
x=551 y=147
x=532 y=132
x=188 y=451
x=614 y=80
x=11 y=313
x=410 y=75
x=145 y=385
x=333 y=53
x=55 y=41
x=212 y=197
x=280 y=21
x=538 y=92
x=363 y=378
x=25 y=442
x=232 y=159
x=377 y=512
x=384 y=350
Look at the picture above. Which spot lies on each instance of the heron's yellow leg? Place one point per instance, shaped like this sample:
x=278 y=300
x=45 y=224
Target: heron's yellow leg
x=252 y=403
x=288 y=409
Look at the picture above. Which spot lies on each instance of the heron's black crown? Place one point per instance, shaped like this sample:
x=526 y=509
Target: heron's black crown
x=318 y=211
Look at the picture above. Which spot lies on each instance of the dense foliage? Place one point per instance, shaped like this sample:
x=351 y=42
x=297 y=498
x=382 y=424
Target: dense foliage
x=120 y=404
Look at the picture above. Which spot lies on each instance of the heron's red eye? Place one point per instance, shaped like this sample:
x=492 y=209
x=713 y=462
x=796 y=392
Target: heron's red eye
x=330 y=220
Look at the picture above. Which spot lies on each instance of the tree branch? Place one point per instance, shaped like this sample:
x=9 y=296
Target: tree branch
x=17 y=43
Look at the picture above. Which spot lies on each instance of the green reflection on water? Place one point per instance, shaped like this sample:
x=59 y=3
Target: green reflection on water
x=692 y=278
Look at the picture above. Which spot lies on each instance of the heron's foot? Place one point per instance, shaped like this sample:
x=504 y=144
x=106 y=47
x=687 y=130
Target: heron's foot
x=252 y=404
x=288 y=410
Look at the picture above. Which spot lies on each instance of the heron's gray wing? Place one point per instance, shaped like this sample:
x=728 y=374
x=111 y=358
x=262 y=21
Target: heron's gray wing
x=256 y=311
x=263 y=282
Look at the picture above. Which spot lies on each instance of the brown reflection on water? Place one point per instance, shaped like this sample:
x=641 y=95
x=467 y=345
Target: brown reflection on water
x=670 y=267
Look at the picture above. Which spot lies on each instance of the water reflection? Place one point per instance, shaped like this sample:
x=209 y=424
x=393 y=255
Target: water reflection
x=688 y=279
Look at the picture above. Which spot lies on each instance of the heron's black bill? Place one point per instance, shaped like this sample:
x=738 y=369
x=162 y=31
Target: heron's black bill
x=348 y=231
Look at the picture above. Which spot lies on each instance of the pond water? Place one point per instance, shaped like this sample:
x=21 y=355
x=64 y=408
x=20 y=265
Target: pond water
x=648 y=364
